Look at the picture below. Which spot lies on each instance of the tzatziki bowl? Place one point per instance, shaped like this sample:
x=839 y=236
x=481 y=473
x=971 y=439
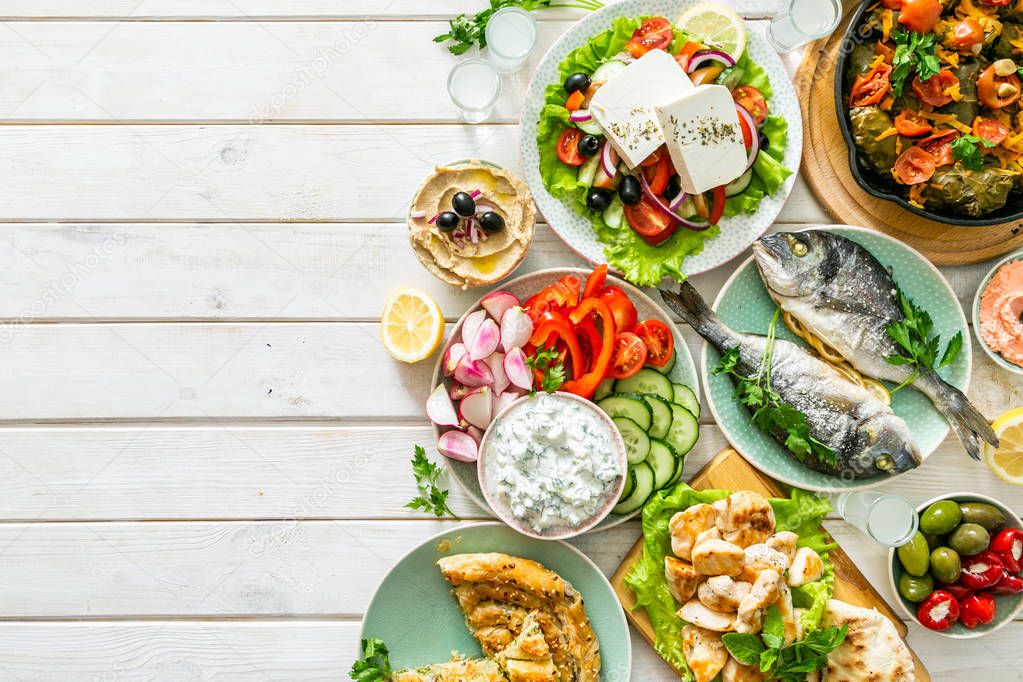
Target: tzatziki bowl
x=552 y=465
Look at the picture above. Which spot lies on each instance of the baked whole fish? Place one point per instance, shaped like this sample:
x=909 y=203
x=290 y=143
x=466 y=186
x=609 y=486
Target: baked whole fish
x=867 y=437
x=845 y=297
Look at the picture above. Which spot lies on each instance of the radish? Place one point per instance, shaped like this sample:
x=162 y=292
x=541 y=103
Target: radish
x=497 y=302
x=473 y=373
x=504 y=400
x=516 y=328
x=458 y=446
x=475 y=433
x=471 y=326
x=496 y=364
x=458 y=391
x=486 y=340
x=452 y=355
x=517 y=370
x=477 y=408
x=439 y=408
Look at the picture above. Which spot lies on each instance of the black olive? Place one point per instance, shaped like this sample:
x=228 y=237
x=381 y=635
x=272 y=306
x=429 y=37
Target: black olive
x=463 y=204
x=764 y=141
x=598 y=199
x=673 y=188
x=447 y=221
x=491 y=222
x=589 y=145
x=629 y=191
x=577 y=81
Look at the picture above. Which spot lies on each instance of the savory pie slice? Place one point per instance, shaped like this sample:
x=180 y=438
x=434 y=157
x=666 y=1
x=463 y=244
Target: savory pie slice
x=455 y=670
x=528 y=657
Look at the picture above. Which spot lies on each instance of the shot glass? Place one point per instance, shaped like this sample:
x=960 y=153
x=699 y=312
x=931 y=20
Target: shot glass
x=511 y=36
x=803 y=21
x=474 y=86
x=889 y=520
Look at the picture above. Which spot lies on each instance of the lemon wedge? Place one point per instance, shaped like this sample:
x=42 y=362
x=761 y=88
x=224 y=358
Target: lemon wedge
x=411 y=326
x=1007 y=459
x=715 y=26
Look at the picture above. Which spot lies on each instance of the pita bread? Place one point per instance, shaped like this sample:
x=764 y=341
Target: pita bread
x=872 y=650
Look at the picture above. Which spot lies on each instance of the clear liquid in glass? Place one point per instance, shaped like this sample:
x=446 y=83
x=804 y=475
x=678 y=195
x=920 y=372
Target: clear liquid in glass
x=889 y=519
x=804 y=21
x=511 y=36
x=474 y=87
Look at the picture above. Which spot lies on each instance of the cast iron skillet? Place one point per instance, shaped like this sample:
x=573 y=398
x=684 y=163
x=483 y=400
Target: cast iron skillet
x=874 y=184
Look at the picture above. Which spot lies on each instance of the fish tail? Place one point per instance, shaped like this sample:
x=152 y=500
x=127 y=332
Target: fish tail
x=969 y=424
x=691 y=307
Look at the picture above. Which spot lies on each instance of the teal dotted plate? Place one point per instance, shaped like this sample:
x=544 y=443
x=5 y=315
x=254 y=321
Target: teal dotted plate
x=744 y=305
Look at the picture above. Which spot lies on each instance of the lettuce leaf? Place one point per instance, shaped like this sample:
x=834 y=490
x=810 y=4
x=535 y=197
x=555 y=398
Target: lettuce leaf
x=802 y=513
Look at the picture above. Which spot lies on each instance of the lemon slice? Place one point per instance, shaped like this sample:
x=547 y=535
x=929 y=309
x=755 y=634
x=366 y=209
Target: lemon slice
x=412 y=325
x=716 y=27
x=1007 y=459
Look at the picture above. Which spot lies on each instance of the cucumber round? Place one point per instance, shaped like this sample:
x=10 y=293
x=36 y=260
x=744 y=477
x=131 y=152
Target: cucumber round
x=629 y=405
x=641 y=492
x=647 y=380
x=661 y=410
x=663 y=463
x=590 y=127
x=739 y=185
x=588 y=170
x=607 y=70
x=630 y=484
x=684 y=431
x=637 y=442
x=604 y=389
x=684 y=396
x=614 y=214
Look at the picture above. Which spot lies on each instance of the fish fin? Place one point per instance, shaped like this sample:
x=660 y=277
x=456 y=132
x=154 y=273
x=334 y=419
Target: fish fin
x=690 y=306
x=970 y=426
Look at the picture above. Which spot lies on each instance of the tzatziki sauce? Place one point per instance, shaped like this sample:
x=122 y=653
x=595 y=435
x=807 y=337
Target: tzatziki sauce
x=552 y=462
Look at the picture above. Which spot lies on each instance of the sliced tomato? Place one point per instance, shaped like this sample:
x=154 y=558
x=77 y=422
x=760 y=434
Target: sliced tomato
x=989 y=129
x=654 y=34
x=914 y=166
x=655 y=157
x=934 y=90
x=687 y=52
x=966 y=33
x=629 y=356
x=892 y=4
x=920 y=15
x=752 y=100
x=660 y=342
x=646 y=219
x=662 y=237
x=621 y=308
x=910 y=124
x=747 y=133
x=939 y=145
x=568 y=147
x=717 y=208
x=872 y=86
x=595 y=282
x=989 y=87
x=657 y=176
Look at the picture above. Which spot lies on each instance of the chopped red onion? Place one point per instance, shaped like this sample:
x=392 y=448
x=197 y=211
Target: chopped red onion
x=608 y=160
x=659 y=205
x=433 y=219
x=475 y=193
x=704 y=56
x=580 y=116
x=678 y=200
x=754 y=149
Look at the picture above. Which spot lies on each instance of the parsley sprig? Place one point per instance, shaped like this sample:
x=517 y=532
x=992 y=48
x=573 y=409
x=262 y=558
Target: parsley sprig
x=547 y=361
x=770 y=412
x=431 y=497
x=965 y=149
x=374 y=666
x=914 y=53
x=467 y=31
x=917 y=345
x=789 y=663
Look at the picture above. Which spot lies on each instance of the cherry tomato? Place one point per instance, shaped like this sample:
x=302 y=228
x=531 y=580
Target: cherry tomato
x=659 y=340
x=688 y=50
x=657 y=176
x=920 y=15
x=871 y=87
x=629 y=356
x=911 y=124
x=752 y=101
x=977 y=609
x=646 y=219
x=933 y=91
x=568 y=147
x=892 y=4
x=966 y=34
x=940 y=611
x=990 y=90
x=621 y=308
x=654 y=34
x=914 y=166
x=939 y=145
x=990 y=129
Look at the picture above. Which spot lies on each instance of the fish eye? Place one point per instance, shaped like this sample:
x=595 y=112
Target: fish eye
x=799 y=249
x=884 y=462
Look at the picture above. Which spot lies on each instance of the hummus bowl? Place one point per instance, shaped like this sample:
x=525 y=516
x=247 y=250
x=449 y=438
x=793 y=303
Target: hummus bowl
x=1010 y=300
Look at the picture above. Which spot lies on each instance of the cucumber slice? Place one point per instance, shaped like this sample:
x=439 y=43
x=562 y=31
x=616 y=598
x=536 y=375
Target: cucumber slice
x=637 y=443
x=607 y=70
x=588 y=170
x=590 y=127
x=630 y=484
x=669 y=366
x=731 y=77
x=614 y=214
x=739 y=185
x=628 y=405
x=662 y=462
x=685 y=397
x=604 y=389
x=661 y=410
x=646 y=380
x=687 y=209
x=684 y=431
x=643 y=490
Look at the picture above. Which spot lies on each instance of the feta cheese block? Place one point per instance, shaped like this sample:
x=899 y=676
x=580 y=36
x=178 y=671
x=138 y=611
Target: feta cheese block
x=704 y=137
x=624 y=106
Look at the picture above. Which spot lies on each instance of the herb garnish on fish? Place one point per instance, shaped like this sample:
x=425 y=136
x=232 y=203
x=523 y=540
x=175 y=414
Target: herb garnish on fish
x=917 y=345
x=431 y=497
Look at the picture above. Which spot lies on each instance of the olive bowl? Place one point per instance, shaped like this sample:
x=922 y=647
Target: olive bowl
x=1008 y=606
x=991 y=353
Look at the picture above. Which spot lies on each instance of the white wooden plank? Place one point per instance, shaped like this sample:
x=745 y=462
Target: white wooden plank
x=234 y=173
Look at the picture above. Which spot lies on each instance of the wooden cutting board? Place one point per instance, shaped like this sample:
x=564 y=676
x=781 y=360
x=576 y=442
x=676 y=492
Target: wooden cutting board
x=729 y=471
x=826 y=170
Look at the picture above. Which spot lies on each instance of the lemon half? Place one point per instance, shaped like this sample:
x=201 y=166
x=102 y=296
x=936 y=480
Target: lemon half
x=411 y=326
x=716 y=27
x=1007 y=459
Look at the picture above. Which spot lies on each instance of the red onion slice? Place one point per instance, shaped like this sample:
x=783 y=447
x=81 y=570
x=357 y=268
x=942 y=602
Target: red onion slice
x=660 y=206
x=704 y=56
x=608 y=160
x=754 y=149
x=475 y=193
x=580 y=116
x=678 y=200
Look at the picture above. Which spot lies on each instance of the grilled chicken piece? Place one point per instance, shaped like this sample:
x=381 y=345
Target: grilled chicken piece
x=682 y=578
x=737 y=672
x=704 y=651
x=806 y=567
x=723 y=594
x=746 y=518
x=713 y=533
x=759 y=557
x=528 y=658
x=686 y=525
x=717 y=557
x=788 y=613
x=797 y=613
x=785 y=542
x=455 y=670
x=764 y=592
x=696 y=613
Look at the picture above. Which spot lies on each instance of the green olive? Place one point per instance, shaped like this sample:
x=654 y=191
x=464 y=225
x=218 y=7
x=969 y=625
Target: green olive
x=934 y=541
x=915 y=556
x=983 y=514
x=916 y=589
x=969 y=539
x=941 y=517
x=945 y=565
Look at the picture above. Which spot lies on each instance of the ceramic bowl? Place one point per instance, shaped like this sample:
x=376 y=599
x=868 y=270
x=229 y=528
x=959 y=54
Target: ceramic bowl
x=486 y=471
x=1008 y=605
x=995 y=357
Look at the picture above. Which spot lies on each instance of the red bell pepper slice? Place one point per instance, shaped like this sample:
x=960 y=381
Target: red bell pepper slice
x=940 y=611
x=982 y=570
x=595 y=282
x=552 y=324
x=585 y=385
x=718 y=208
x=977 y=609
x=589 y=340
x=1008 y=545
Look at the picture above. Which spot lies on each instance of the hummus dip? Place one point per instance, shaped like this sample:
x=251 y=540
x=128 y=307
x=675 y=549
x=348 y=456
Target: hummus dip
x=1001 y=306
x=460 y=261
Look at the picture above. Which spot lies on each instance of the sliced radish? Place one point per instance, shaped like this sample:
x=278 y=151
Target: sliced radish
x=486 y=340
x=477 y=408
x=504 y=400
x=458 y=446
x=516 y=328
x=471 y=326
x=496 y=364
x=439 y=408
x=475 y=433
x=497 y=303
x=458 y=391
x=473 y=373
x=452 y=355
x=517 y=370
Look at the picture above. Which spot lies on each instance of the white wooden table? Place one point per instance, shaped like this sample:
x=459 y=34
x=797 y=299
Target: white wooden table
x=204 y=448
